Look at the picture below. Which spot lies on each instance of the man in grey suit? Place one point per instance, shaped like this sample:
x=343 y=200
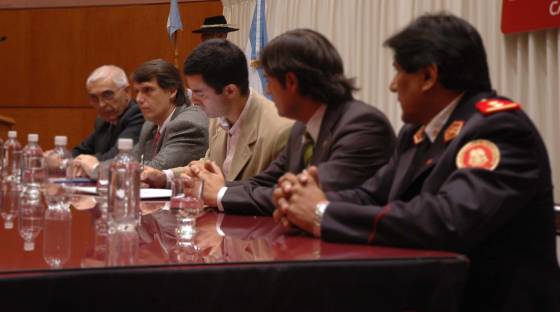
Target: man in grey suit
x=175 y=132
x=118 y=116
x=347 y=139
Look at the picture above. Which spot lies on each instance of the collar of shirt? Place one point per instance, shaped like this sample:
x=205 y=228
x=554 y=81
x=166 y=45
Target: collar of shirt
x=434 y=126
x=162 y=128
x=232 y=129
x=313 y=125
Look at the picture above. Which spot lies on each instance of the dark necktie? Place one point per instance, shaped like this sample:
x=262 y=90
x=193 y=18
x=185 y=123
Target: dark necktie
x=155 y=143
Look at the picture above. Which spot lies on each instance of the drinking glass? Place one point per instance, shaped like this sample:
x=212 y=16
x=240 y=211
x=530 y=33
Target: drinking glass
x=187 y=202
x=103 y=179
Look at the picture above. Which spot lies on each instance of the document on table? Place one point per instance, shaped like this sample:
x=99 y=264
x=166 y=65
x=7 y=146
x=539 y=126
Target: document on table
x=145 y=193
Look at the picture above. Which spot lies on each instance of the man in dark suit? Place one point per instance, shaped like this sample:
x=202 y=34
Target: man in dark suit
x=175 y=132
x=118 y=115
x=470 y=175
x=347 y=139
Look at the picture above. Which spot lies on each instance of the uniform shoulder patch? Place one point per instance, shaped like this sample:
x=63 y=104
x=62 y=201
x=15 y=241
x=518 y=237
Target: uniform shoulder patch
x=453 y=130
x=481 y=154
x=419 y=135
x=491 y=106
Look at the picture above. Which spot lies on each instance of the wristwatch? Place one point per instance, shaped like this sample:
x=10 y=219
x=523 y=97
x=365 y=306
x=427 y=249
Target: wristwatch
x=319 y=212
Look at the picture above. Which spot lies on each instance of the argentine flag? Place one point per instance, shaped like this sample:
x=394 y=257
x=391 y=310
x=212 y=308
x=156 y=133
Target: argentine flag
x=257 y=40
x=173 y=19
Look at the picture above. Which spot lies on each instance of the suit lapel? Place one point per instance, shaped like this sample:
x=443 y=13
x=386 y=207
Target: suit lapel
x=178 y=110
x=405 y=161
x=330 y=119
x=243 y=152
x=433 y=155
x=148 y=147
x=116 y=129
x=219 y=146
x=247 y=138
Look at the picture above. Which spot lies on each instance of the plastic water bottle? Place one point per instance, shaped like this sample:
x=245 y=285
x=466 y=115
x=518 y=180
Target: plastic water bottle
x=58 y=230
x=33 y=169
x=31 y=215
x=124 y=189
x=122 y=248
x=11 y=169
x=59 y=159
x=10 y=203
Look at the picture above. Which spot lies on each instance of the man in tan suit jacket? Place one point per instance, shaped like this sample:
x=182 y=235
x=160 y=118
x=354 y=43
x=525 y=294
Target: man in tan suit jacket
x=246 y=132
x=263 y=134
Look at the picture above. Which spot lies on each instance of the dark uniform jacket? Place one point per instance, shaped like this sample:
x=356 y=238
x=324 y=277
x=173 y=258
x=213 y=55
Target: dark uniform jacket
x=102 y=143
x=355 y=140
x=502 y=219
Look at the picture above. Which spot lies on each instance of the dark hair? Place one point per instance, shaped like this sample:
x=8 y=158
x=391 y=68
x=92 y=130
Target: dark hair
x=315 y=62
x=220 y=63
x=449 y=42
x=166 y=75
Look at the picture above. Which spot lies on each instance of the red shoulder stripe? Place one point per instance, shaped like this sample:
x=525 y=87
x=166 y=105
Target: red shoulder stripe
x=491 y=106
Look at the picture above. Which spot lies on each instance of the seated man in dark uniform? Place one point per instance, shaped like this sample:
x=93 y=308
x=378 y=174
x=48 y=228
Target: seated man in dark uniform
x=118 y=115
x=470 y=175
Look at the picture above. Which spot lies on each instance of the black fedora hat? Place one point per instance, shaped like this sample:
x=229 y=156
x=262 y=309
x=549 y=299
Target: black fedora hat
x=215 y=24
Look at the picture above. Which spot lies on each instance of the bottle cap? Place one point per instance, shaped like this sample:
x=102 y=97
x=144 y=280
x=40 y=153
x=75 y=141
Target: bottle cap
x=33 y=137
x=124 y=144
x=60 y=140
x=12 y=134
x=29 y=246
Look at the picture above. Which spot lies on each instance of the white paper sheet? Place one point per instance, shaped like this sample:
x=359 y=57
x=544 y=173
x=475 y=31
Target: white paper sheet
x=145 y=193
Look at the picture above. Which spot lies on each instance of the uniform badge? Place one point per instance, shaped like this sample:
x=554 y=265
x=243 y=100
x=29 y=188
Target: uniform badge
x=491 y=106
x=419 y=135
x=478 y=154
x=453 y=130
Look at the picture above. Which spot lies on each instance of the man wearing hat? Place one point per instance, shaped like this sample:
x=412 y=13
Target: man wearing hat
x=214 y=27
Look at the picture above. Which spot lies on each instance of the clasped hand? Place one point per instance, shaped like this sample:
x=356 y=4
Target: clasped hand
x=296 y=197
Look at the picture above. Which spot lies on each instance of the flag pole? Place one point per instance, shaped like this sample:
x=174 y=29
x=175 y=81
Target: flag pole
x=175 y=50
x=174 y=24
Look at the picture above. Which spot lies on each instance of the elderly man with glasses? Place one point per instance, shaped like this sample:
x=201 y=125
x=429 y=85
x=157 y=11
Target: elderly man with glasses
x=118 y=115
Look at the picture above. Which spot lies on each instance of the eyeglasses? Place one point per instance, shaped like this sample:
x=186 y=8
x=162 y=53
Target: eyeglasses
x=105 y=96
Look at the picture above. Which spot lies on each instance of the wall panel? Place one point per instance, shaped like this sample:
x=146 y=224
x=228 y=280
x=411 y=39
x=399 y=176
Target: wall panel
x=76 y=123
x=49 y=53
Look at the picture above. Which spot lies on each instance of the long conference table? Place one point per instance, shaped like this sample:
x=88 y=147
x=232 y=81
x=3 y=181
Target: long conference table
x=242 y=263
